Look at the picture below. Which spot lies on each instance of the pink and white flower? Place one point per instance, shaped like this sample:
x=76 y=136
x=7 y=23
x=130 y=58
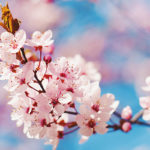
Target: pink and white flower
x=13 y=43
x=87 y=68
x=145 y=101
x=89 y=123
x=40 y=40
x=145 y=104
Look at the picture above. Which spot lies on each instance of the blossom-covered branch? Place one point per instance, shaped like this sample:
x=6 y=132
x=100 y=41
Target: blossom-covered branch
x=53 y=98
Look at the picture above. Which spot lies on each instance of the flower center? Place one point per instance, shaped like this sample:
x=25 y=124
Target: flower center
x=14 y=45
x=43 y=122
x=13 y=67
x=63 y=75
x=22 y=81
x=70 y=90
x=54 y=102
x=91 y=123
x=95 y=107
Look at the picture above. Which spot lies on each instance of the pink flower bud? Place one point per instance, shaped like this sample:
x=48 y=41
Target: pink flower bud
x=126 y=113
x=47 y=59
x=126 y=126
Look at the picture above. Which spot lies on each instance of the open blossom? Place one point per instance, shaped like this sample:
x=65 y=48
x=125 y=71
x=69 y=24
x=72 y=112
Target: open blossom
x=145 y=101
x=20 y=80
x=147 y=88
x=89 y=123
x=7 y=57
x=145 y=104
x=41 y=40
x=95 y=112
x=13 y=43
x=7 y=71
x=87 y=68
x=126 y=113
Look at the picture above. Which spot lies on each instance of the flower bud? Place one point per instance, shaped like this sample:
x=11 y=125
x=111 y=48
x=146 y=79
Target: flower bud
x=47 y=59
x=126 y=113
x=126 y=126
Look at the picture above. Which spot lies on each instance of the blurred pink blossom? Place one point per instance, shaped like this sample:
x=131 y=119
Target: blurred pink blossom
x=126 y=113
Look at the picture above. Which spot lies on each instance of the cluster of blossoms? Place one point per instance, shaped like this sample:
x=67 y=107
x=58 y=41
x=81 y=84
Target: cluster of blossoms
x=46 y=94
x=52 y=98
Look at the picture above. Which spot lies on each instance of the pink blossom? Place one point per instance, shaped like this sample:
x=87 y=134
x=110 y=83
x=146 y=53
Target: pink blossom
x=126 y=113
x=7 y=71
x=21 y=79
x=94 y=115
x=147 y=88
x=13 y=43
x=87 y=68
x=89 y=123
x=40 y=40
x=145 y=102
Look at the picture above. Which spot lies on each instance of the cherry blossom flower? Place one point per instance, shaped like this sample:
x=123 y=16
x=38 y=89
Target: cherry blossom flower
x=145 y=104
x=89 y=123
x=20 y=80
x=145 y=101
x=13 y=43
x=126 y=113
x=147 y=88
x=40 y=40
x=87 y=68
x=7 y=57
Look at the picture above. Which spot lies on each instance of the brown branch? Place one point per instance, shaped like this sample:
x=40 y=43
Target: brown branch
x=33 y=88
x=134 y=120
x=23 y=54
x=70 y=112
x=38 y=81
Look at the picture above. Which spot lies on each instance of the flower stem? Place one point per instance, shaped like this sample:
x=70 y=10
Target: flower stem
x=70 y=112
x=23 y=54
x=39 y=82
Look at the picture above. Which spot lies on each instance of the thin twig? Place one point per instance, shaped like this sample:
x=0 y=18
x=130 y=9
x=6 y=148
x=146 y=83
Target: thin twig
x=23 y=54
x=33 y=88
x=141 y=123
x=117 y=114
x=39 y=82
x=70 y=112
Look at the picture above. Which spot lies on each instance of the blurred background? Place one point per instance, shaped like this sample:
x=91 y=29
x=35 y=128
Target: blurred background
x=115 y=35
